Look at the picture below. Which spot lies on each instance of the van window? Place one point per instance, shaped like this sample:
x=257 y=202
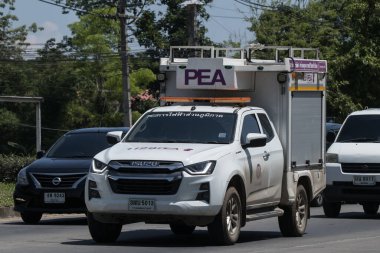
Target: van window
x=267 y=127
x=360 y=128
x=250 y=125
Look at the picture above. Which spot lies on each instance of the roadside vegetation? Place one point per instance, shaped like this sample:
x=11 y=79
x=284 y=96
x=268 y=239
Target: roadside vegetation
x=6 y=191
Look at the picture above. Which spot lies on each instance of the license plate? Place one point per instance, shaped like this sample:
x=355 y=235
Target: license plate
x=364 y=180
x=141 y=205
x=54 y=197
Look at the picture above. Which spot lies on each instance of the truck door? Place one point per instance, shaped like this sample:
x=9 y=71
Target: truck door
x=254 y=162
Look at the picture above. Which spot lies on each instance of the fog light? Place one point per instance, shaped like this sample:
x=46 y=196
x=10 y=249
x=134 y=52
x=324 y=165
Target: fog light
x=204 y=193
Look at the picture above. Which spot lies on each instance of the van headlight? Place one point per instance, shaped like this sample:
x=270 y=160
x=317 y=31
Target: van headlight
x=22 y=178
x=332 y=158
x=97 y=166
x=203 y=168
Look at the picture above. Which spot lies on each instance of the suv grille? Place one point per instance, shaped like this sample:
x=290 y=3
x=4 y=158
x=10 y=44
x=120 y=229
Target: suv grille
x=145 y=177
x=50 y=180
x=361 y=167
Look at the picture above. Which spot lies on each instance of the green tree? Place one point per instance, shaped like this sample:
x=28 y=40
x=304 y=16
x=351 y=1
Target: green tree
x=160 y=30
x=347 y=33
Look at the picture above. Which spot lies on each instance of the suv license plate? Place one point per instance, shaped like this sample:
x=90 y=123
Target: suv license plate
x=141 y=205
x=364 y=180
x=54 y=197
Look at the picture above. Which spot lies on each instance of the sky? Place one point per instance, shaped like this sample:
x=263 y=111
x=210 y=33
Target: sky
x=226 y=21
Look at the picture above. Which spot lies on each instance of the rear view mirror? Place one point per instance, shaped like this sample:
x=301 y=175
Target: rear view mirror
x=255 y=140
x=114 y=137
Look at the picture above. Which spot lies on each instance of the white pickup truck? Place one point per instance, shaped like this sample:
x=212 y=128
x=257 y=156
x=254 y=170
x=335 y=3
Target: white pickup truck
x=201 y=163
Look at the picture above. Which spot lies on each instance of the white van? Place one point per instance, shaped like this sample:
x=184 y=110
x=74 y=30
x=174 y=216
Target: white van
x=353 y=164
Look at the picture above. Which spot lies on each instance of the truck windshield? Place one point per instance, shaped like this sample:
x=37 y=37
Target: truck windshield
x=184 y=127
x=361 y=128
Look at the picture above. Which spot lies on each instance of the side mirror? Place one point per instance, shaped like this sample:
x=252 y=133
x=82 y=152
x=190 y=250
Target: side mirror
x=114 y=137
x=40 y=154
x=330 y=137
x=255 y=140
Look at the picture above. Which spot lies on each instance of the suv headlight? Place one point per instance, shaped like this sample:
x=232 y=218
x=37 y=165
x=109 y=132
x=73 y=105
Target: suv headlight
x=22 y=178
x=97 y=166
x=332 y=158
x=203 y=168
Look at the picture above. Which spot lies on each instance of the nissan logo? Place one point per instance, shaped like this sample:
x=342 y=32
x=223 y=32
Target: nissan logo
x=56 y=181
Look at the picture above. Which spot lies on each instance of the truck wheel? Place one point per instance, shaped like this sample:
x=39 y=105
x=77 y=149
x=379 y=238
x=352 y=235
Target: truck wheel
x=370 y=208
x=31 y=217
x=103 y=232
x=331 y=209
x=293 y=222
x=225 y=229
x=180 y=228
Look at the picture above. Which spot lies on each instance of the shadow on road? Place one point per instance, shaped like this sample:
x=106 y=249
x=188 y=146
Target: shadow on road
x=351 y=215
x=53 y=221
x=165 y=238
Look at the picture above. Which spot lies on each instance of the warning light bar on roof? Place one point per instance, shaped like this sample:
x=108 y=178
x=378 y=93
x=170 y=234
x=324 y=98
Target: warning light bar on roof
x=207 y=99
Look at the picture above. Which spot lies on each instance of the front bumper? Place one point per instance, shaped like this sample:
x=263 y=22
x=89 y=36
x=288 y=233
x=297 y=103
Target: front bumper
x=340 y=186
x=183 y=203
x=28 y=198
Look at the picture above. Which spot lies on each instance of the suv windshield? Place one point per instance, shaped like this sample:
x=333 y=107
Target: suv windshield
x=361 y=128
x=79 y=145
x=184 y=127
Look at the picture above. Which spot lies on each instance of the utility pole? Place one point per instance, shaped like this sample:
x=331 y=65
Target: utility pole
x=192 y=27
x=127 y=120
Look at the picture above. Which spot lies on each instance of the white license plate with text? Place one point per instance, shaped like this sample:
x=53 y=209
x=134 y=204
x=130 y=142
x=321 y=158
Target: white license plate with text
x=54 y=197
x=141 y=205
x=364 y=180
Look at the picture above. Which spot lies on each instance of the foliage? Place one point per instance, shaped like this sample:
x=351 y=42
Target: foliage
x=10 y=166
x=169 y=28
x=6 y=192
x=347 y=33
x=143 y=102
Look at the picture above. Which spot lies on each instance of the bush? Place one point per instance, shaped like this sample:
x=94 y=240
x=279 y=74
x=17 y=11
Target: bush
x=10 y=166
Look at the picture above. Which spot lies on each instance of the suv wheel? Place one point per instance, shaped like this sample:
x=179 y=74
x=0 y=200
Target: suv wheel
x=103 y=232
x=180 y=228
x=370 y=208
x=31 y=217
x=225 y=229
x=331 y=209
x=293 y=222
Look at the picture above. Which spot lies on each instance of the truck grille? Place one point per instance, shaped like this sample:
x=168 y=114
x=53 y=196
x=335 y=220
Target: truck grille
x=145 y=177
x=55 y=180
x=361 y=167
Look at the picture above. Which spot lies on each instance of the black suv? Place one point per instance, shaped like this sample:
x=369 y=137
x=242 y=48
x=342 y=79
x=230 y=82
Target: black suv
x=55 y=182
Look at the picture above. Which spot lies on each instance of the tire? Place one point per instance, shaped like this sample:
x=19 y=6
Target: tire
x=181 y=228
x=294 y=221
x=317 y=201
x=31 y=217
x=331 y=209
x=225 y=229
x=370 y=208
x=103 y=232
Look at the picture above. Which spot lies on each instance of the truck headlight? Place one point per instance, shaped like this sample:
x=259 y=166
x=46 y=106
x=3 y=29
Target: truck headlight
x=332 y=158
x=22 y=178
x=97 y=166
x=203 y=168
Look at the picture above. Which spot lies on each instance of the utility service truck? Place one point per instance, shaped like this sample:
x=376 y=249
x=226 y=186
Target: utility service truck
x=236 y=139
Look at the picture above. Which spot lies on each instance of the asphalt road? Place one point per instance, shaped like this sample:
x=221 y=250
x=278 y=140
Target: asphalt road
x=351 y=232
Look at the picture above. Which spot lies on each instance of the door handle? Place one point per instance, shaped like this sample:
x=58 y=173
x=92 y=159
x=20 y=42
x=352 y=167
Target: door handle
x=266 y=156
